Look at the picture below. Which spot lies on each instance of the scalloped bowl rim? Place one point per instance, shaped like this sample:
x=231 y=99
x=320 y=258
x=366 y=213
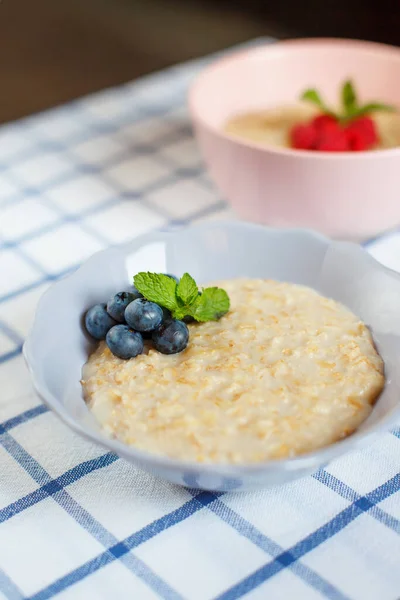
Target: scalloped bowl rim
x=317 y=458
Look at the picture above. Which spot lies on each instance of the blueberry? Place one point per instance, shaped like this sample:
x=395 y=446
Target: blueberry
x=98 y=321
x=171 y=337
x=143 y=315
x=147 y=335
x=123 y=342
x=174 y=277
x=117 y=304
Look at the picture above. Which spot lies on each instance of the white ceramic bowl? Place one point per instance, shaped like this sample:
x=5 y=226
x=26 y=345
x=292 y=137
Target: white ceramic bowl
x=57 y=346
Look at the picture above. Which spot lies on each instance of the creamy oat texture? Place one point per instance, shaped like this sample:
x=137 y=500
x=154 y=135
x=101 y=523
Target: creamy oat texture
x=285 y=372
x=273 y=126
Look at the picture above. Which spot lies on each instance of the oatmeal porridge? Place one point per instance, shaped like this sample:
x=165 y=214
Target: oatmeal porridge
x=285 y=372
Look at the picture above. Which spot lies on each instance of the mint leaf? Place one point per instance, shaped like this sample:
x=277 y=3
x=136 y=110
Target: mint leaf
x=349 y=98
x=366 y=110
x=181 y=312
x=312 y=95
x=187 y=290
x=211 y=305
x=183 y=299
x=158 y=288
x=372 y=107
x=351 y=108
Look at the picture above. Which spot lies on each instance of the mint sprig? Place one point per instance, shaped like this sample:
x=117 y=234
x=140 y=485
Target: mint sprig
x=183 y=299
x=350 y=107
x=187 y=290
x=211 y=305
x=158 y=288
x=313 y=96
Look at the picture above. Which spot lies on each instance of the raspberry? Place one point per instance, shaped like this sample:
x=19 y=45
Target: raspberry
x=356 y=140
x=365 y=126
x=333 y=142
x=324 y=133
x=303 y=137
x=325 y=123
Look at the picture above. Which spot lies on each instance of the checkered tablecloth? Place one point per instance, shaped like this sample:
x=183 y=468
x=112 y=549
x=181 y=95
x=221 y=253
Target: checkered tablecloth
x=76 y=523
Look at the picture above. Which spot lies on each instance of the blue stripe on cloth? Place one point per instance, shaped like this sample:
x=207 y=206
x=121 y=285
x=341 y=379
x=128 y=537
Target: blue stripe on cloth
x=252 y=534
x=36 y=284
x=27 y=237
x=53 y=277
x=247 y=530
x=177 y=172
x=84 y=518
x=107 y=204
x=27 y=415
x=98 y=128
x=50 y=145
x=322 y=476
x=8 y=588
x=55 y=485
x=82 y=168
x=312 y=541
x=349 y=494
x=10 y=333
x=65 y=218
x=34 y=264
x=219 y=508
x=10 y=355
x=121 y=548
x=379 y=236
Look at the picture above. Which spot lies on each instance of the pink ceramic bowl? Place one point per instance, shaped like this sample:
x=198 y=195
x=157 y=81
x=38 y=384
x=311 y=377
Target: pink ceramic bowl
x=344 y=195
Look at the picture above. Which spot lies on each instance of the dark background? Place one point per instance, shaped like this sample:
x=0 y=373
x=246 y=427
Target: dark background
x=55 y=50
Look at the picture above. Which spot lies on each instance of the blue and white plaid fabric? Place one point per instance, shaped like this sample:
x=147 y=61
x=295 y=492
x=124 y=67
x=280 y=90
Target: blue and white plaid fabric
x=76 y=523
